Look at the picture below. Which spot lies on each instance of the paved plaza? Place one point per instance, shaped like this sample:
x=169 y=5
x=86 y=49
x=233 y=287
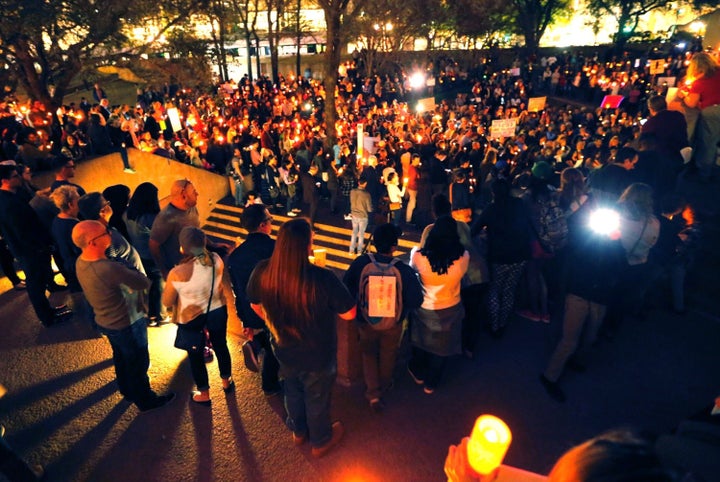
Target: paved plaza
x=63 y=410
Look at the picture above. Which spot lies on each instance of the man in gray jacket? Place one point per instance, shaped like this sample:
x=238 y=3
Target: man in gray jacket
x=114 y=290
x=360 y=209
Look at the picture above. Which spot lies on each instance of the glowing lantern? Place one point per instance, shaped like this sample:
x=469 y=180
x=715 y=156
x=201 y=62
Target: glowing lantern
x=489 y=441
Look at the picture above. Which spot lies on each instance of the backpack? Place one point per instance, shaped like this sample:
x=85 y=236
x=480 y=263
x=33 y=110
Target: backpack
x=380 y=293
x=553 y=228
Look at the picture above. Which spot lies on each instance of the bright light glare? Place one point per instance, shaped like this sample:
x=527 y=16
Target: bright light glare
x=604 y=221
x=419 y=108
x=417 y=80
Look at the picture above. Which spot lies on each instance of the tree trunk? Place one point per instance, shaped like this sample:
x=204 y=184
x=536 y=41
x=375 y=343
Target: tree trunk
x=221 y=49
x=299 y=40
x=248 y=51
x=332 y=62
x=258 y=67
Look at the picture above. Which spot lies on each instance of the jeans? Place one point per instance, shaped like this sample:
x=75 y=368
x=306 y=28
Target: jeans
x=395 y=216
x=412 y=202
x=124 y=156
x=7 y=262
x=707 y=135
x=307 y=402
x=270 y=365
x=216 y=323
x=580 y=328
x=473 y=298
x=156 y=288
x=357 y=239
x=379 y=351
x=37 y=275
x=131 y=359
x=239 y=185
x=427 y=366
x=12 y=466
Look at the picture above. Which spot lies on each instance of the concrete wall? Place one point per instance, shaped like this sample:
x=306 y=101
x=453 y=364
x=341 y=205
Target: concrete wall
x=98 y=173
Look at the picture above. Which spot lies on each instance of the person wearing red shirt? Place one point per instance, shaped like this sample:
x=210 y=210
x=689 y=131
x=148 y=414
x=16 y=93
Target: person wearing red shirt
x=703 y=95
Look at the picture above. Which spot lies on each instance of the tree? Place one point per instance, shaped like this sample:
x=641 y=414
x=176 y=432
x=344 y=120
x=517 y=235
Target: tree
x=481 y=20
x=218 y=18
x=389 y=26
x=275 y=14
x=247 y=11
x=339 y=15
x=627 y=13
x=532 y=17
x=46 y=43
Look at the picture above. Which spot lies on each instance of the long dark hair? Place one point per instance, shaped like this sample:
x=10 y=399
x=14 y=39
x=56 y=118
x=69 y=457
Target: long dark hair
x=143 y=201
x=287 y=288
x=442 y=246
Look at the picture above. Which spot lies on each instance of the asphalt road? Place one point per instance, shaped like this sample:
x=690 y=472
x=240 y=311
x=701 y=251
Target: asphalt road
x=62 y=409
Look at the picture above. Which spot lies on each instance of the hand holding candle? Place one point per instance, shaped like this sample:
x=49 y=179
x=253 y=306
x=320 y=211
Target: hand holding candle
x=489 y=441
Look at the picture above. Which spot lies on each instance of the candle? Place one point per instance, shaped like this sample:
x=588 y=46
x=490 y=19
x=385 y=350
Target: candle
x=489 y=441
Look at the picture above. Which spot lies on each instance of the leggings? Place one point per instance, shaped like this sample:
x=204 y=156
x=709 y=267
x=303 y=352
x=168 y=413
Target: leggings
x=501 y=296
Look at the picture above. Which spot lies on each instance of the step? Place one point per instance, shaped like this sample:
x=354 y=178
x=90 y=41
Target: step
x=224 y=224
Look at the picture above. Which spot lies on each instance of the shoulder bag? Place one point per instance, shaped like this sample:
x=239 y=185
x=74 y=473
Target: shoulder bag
x=191 y=338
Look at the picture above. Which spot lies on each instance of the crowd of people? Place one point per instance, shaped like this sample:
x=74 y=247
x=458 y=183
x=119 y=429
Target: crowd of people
x=512 y=223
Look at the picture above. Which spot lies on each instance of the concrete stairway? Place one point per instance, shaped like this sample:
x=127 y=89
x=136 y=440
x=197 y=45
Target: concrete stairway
x=224 y=224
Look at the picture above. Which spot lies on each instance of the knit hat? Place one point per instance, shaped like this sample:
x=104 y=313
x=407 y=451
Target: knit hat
x=192 y=240
x=542 y=170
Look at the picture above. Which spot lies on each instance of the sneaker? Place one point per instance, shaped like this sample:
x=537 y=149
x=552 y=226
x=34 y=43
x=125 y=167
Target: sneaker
x=38 y=471
x=20 y=285
x=62 y=310
x=292 y=214
x=418 y=381
x=201 y=398
x=337 y=433
x=296 y=210
x=428 y=390
x=529 y=315
x=228 y=385
x=157 y=402
x=377 y=405
x=153 y=322
x=129 y=170
x=298 y=440
x=58 y=318
x=347 y=217
x=552 y=389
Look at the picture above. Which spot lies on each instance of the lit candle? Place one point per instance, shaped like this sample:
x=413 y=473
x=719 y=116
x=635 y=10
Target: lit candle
x=489 y=441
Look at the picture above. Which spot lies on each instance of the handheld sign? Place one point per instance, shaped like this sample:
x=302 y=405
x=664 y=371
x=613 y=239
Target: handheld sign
x=503 y=128
x=536 y=104
x=611 y=101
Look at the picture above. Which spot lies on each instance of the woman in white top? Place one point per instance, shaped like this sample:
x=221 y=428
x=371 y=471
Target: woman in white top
x=197 y=285
x=395 y=193
x=639 y=231
x=436 y=327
